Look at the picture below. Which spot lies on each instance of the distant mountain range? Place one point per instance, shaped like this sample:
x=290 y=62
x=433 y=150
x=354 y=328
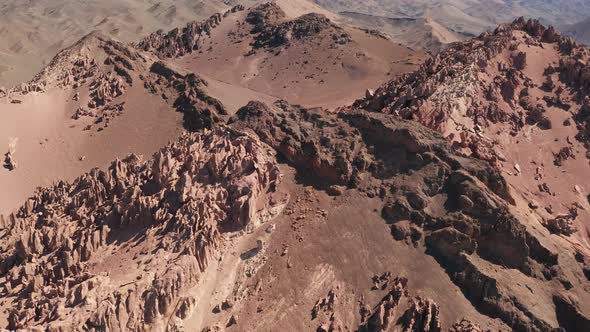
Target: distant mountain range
x=430 y=23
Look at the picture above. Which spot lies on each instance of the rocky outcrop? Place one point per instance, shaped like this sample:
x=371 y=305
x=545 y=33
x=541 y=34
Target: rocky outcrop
x=104 y=88
x=270 y=29
x=564 y=223
x=423 y=315
x=97 y=86
x=181 y=41
x=79 y=65
x=199 y=109
x=325 y=312
x=178 y=203
x=9 y=161
x=335 y=158
x=398 y=311
x=384 y=316
x=264 y=15
x=465 y=326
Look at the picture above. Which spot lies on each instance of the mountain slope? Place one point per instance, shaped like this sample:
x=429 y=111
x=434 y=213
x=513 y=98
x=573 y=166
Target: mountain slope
x=512 y=97
x=99 y=231
x=453 y=198
x=304 y=59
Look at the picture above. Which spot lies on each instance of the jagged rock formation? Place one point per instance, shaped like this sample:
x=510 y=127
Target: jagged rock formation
x=103 y=70
x=270 y=29
x=179 y=203
x=465 y=326
x=100 y=68
x=179 y=42
x=81 y=63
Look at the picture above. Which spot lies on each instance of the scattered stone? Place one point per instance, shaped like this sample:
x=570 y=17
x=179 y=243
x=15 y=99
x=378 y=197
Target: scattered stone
x=336 y=190
x=271 y=228
x=227 y=304
x=465 y=326
x=233 y=320
x=9 y=161
x=564 y=224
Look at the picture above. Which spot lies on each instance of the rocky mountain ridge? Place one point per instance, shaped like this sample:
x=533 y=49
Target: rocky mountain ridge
x=522 y=79
x=430 y=187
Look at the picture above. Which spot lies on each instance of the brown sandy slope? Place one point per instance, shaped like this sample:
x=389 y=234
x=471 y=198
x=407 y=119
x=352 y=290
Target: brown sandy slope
x=418 y=32
x=303 y=59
